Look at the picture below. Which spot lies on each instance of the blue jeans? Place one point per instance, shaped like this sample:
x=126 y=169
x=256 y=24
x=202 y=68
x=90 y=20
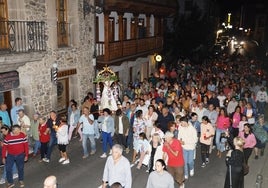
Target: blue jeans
x=92 y=143
x=129 y=137
x=188 y=156
x=19 y=161
x=37 y=145
x=220 y=143
x=51 y=144
x=261 y=107
x=106 y=138
x=14 y=171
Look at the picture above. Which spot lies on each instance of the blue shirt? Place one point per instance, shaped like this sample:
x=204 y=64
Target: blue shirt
x=87 y=127
x=14 y=114
x=5 y=118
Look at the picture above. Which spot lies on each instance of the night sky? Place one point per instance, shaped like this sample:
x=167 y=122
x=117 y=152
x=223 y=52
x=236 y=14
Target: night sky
x=234 y=7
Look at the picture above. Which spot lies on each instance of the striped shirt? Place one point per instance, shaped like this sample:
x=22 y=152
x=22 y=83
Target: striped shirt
x=15 y=145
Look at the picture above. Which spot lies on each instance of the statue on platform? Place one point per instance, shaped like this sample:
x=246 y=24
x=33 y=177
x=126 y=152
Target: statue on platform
x=109 y=96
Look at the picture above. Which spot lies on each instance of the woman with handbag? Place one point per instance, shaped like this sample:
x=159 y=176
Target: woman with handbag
x=250 y=141
x=235 y=165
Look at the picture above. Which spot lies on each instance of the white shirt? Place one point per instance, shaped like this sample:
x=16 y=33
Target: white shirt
x=118 y=172
x=120 y=126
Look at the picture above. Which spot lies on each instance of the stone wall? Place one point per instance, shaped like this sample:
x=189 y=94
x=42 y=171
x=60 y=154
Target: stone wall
x=36 y=89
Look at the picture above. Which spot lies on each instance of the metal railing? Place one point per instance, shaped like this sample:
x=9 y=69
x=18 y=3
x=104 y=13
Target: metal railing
x=22 y=36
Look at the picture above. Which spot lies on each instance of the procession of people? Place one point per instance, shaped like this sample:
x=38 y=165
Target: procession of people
x=161 y=121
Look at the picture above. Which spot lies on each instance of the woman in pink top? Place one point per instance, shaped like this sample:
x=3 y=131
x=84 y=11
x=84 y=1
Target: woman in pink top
x=250 y=141
x=236 y=117
x=223 y=123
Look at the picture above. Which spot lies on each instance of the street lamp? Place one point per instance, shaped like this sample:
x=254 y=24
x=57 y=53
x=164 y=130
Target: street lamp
x=158 y=58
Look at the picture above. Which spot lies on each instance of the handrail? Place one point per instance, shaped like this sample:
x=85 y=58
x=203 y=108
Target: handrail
x=22 y=36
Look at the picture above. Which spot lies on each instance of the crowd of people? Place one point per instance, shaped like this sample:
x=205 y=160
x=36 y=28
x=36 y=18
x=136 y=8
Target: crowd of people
x=219 y=104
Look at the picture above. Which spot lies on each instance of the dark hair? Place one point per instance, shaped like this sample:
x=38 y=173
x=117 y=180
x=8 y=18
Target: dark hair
x=224 y=110
x=238 y=107
x=107 y=110
x=249 y=127
x=74 y=104
x=90 y=94
x=170 y=124
x=138 y=113
x=184 y=118
x=116 y=185
x=118 y=112
x=193 y=114
x=206 y=119
x=15 y=126
x=157 y=124
x=53 y=111
x=18 y=99
x=162 y=163
x=143 y=135
x=63 y=118
x=86 y=98
x=73 y=101
x=5 y=127
x=151 y=106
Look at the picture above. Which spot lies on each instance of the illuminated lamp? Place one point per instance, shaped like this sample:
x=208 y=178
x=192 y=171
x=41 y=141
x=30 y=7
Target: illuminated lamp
x=158 y=58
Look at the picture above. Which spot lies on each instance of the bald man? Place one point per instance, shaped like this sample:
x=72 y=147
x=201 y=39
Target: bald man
x=50 y=182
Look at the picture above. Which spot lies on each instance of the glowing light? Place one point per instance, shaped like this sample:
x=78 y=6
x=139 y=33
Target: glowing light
x=158 y=58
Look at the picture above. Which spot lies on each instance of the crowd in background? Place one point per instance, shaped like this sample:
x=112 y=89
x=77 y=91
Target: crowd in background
x=161 y=121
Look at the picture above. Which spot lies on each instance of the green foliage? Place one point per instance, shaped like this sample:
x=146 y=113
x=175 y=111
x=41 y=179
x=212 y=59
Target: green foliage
x=103 y=78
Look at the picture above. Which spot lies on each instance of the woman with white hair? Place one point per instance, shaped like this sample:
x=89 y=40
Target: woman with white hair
x=235 y=161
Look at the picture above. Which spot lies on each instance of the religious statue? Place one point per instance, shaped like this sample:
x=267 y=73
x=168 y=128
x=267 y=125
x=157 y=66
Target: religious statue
x=109 y=95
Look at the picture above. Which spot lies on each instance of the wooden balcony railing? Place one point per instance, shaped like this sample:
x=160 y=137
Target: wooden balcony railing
x=22 y=36
x=128 y=48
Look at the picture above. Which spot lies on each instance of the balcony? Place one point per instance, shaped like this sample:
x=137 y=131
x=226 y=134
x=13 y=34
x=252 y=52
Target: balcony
x=128 y=49
x=156 y=7
x=22 y=36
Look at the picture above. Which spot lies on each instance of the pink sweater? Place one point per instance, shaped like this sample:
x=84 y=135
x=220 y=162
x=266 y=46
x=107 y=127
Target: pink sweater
x=250 y=141
x=223 y=122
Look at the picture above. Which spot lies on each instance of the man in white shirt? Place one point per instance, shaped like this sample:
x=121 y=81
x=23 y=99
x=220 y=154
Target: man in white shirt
x=142 y=107
x=261 y=100
x=25 y=123
x=117 y=169
x=200 y=111
x=221 y=98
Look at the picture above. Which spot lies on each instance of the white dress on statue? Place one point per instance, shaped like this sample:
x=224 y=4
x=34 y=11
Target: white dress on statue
x=107 y=98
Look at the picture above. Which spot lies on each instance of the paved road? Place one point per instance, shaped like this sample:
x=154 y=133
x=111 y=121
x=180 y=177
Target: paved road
x=87 y=173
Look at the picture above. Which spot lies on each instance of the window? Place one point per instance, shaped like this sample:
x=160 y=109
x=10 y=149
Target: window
x=3 y=25
x=63 y=26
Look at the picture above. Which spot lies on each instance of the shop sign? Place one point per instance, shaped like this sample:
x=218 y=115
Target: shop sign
x=9 y=81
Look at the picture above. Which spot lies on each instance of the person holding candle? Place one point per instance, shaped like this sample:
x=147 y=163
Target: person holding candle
x=206 y=138
x=222 y=125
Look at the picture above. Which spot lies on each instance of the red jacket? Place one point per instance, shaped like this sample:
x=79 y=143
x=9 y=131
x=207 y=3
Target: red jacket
x=42 y=136
x=15 y=145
